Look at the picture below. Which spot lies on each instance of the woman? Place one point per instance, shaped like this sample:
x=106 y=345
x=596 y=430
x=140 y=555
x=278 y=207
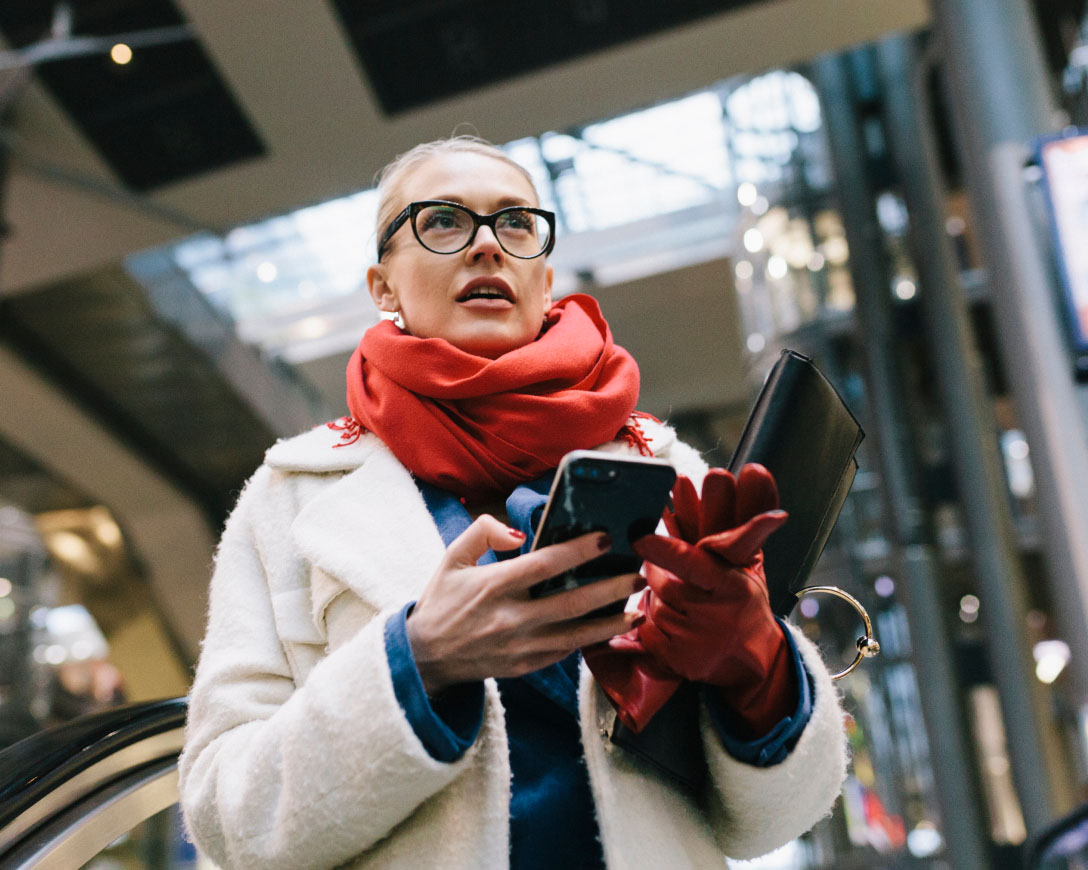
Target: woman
x=377 y=689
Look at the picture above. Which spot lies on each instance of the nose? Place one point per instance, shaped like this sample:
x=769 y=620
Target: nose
x=485 y=245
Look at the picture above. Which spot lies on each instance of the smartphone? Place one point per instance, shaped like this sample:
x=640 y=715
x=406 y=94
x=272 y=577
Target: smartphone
x=594 y=491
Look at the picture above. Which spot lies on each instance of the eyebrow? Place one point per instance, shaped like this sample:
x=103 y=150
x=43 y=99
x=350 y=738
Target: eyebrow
x=504 y=202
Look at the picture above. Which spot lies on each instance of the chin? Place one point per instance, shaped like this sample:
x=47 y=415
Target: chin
x=489 y=346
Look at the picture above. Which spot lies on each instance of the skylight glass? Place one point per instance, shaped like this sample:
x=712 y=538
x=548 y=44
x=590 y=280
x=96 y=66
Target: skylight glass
x=650 y=190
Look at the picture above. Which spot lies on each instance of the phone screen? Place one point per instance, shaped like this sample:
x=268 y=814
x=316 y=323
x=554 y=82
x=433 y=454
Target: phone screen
x=601 y=492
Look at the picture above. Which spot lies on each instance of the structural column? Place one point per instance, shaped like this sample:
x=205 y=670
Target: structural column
x=954 y=774
x=1000 y=100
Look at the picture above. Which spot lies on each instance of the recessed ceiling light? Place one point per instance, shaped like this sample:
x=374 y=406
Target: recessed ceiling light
x=121 y=54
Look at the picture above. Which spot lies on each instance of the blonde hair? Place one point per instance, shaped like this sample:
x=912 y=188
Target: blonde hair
x=390 y=177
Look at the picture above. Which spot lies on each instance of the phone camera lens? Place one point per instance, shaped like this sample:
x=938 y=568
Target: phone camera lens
x=595 y=473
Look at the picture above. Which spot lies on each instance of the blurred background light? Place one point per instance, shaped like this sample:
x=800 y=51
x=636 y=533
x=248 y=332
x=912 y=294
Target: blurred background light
x=121 y=54
x=1051 y=657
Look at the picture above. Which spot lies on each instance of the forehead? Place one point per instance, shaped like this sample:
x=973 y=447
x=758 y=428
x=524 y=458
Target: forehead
x=477 y=180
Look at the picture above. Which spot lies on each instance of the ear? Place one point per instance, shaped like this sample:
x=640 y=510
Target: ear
x=380 y=291
x=549 y=276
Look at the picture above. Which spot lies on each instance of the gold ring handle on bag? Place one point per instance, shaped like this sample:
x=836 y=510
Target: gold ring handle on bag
x=867 y=644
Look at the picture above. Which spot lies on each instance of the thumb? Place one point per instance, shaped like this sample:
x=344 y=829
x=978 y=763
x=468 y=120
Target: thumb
x=485 y=533
x=740 y=545
x=667 y=553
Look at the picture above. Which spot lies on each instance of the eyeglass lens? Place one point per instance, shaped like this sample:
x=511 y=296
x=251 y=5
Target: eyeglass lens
x=445 y=229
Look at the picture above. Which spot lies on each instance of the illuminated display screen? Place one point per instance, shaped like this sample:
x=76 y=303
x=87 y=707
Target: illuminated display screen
x=1065 y=166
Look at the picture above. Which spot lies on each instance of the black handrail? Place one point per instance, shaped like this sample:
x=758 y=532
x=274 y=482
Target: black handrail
x=34 y=767
x=1065 y=838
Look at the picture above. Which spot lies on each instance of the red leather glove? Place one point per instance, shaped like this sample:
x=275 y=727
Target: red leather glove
x=709 y=616
x=636 y=683
x=707 y=611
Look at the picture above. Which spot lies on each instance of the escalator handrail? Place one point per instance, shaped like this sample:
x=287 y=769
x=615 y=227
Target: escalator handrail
x=33 y=768
x=78 y=831
x=1050 y=837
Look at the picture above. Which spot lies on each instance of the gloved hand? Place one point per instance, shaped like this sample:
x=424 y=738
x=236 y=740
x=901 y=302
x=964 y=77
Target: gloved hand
x=636 y=683
x=707 y=611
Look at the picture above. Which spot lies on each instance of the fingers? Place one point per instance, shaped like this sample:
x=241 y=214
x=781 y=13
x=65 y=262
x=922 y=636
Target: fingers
x=485 y=533
x=685 y=505
x=586 y=632
x=574 y=604
x=671 y=590
x=550 y=561
x=719 y=503
x=669 y=553
x=726 y=501
x=556 y=642
x=476 y=621
x=756 y=492
x=658 y=632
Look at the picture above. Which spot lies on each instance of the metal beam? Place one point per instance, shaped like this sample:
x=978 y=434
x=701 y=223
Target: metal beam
x=997 y=109
x=949 y=744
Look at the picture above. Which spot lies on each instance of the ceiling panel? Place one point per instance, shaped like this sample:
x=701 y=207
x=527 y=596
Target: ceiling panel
x=294 y=69
x=165 y=116
x=418 y=52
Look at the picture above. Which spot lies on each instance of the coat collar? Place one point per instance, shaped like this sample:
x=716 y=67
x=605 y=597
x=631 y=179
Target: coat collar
x=370 y=530
x=321 y=450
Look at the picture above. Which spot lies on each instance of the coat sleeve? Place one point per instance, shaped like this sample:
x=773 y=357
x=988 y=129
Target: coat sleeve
x=275 y=775
x=753 y=810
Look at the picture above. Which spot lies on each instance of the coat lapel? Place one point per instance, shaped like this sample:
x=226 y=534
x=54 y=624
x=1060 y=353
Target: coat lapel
x=371 y=532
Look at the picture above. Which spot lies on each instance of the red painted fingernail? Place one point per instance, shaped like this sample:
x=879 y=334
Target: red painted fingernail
x=515 y=533
x=604 y=542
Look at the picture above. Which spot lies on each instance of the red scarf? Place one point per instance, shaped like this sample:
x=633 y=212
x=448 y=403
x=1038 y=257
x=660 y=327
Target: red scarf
x=479 y=427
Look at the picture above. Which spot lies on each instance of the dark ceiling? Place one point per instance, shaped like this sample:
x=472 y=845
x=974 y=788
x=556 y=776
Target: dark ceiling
x=164 y=117
x=168 y=115
x=418 y=52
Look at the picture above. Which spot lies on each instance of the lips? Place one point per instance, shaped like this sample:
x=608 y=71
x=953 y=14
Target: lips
x=488 y=288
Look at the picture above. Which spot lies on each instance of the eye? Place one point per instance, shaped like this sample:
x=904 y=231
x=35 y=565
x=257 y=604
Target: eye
x=520 y=221
x=437 y=218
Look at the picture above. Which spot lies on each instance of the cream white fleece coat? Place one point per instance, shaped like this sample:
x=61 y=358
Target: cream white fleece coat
x=298 y=756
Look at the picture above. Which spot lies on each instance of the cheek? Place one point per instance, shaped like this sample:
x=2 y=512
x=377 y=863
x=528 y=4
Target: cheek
x=541 y=289
x=419 y=289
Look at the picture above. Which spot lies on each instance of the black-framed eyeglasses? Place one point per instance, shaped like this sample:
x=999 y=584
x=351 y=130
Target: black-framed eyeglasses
x=448 y=227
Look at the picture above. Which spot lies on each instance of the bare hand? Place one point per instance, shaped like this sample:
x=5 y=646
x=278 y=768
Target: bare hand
x=475 y=621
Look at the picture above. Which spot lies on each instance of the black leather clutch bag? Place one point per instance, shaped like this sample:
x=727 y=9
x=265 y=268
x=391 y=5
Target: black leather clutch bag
x=802 y=431
x=804 y=434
